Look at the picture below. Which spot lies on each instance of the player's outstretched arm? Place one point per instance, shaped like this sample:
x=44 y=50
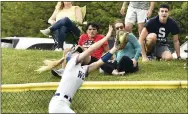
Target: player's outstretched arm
x=95 y=46
x=104 y=58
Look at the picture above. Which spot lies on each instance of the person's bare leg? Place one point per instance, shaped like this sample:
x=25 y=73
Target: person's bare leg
x=150 y=41
x=87 y=60
x=128 y=26
x=140 y=27
x=166 y=55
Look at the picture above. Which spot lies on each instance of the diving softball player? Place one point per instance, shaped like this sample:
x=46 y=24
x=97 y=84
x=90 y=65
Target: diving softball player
x=75 y=73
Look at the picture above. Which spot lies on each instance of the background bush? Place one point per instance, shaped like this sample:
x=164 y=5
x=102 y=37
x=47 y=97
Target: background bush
x=27 y=18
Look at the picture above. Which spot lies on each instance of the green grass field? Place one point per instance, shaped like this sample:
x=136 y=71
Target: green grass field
x=18 y=67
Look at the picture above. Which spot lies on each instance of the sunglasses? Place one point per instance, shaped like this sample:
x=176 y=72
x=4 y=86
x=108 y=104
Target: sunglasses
x=92 y=29
x=120 y=27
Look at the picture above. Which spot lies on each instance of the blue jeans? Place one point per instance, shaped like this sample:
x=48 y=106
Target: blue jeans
x=63 y=27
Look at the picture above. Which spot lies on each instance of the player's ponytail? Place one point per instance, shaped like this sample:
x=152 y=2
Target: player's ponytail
x=49 y=64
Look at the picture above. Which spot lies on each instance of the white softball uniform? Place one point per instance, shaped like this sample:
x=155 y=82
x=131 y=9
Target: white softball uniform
x=73 y=77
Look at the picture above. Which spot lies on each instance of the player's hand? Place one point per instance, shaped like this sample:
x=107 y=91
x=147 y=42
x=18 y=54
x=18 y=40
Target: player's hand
x=145 y=59
x=122 y=11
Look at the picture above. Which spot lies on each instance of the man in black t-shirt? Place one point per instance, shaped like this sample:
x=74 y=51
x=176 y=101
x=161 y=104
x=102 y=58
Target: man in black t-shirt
x=155 y=33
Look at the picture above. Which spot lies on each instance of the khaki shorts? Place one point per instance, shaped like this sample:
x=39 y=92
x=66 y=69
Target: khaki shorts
x=159 y=49
x=134 y=15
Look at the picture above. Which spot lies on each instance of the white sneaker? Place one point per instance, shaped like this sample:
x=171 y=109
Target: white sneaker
x=115 y=72
x=46 y=32
x=58 y=49
x=57 y=73
x=101 y=71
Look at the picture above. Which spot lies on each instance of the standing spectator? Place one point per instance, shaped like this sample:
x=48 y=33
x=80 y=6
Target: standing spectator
x=85 y=41
x=155 y=34
x=126 y=60
x=137 y=12
x=63 y=21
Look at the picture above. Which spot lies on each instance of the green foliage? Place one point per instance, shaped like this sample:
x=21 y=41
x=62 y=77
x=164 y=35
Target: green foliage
x=104 y=13
x=180 y=15
x=27 y=18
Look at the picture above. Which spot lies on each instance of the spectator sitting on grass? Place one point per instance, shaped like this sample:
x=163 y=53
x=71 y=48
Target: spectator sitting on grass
x=85 y=41
x=126 y=59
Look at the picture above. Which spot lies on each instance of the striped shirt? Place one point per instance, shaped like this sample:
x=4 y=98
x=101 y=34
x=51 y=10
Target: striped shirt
x=140 y=5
